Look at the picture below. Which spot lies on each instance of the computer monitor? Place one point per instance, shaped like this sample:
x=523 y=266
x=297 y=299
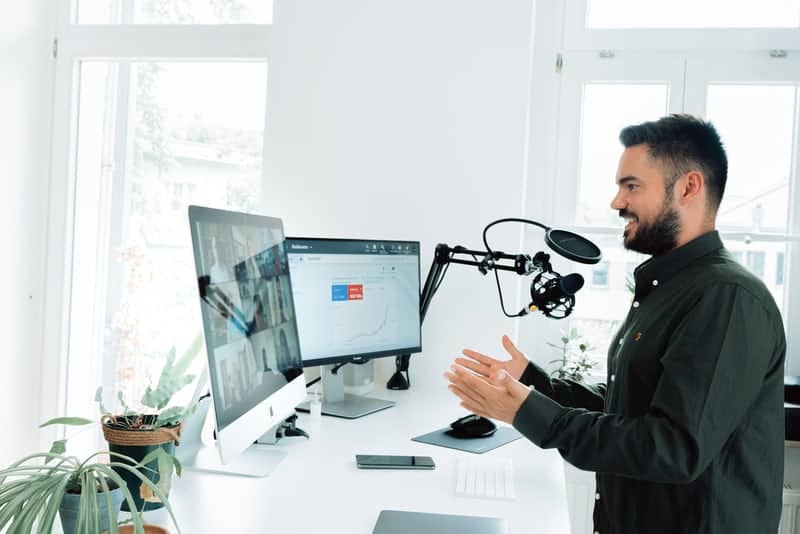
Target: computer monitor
x=250 y=328
x=355 y=300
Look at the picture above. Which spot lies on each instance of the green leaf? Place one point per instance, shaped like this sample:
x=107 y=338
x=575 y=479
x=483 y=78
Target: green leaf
x=187 y=358
x=16 y=506
x=121 y=399
x=188 y=411
x=89 y=511
x=156 y=490
x=98 y=398
x=58 y=447
x=52 y=506
x=136 y=518
x=110 y=512
x=36 y=506
x=165 y=467
x=170 y=416
x=72 y=421
x=177 y=465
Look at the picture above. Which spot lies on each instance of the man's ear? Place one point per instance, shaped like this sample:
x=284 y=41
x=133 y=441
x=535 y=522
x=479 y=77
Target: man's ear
x=690 y=186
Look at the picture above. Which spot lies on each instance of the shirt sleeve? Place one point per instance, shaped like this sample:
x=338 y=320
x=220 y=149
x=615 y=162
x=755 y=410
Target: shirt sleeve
x=565 y=392
x=713 y=371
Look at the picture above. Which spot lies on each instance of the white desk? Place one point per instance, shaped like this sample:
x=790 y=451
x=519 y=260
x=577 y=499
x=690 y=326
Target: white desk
x=318 y=489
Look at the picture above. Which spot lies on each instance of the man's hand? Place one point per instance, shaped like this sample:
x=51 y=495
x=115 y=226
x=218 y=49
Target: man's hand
x=486 y=366
x=497 y=397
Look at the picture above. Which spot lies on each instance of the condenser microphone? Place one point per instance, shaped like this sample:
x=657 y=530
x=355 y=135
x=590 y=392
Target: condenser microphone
x=553 y=294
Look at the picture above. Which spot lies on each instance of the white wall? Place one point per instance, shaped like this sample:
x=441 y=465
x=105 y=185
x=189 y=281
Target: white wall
x=405 y=120
x=26 y=81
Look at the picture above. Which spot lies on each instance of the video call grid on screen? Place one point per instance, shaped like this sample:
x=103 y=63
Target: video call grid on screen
x=251 y=331
x=355 y=298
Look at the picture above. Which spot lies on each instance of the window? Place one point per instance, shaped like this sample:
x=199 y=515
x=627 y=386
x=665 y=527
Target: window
x=692 y=14
x=607 y=108
x=162 y=130
x=600 y=275
x=170 y=115
x=756 y=197
x=625 y=26
x=755 y=262
x=611 y=72
x=599 y=97
x=174 y=11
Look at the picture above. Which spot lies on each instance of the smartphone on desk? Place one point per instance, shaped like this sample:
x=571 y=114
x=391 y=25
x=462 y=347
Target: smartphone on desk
x=381 y=461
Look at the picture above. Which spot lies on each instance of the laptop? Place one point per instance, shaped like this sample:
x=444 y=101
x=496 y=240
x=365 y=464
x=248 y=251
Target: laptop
x=396 y=522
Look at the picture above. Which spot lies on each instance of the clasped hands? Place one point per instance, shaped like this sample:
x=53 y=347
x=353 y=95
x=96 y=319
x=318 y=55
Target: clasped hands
x=490 y=387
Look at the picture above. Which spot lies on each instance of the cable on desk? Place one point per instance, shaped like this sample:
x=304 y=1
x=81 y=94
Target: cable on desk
x=309 y=384
x=333 y=371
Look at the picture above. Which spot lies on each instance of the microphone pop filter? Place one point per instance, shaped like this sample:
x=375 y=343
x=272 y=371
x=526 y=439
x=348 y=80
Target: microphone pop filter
x=572 y=246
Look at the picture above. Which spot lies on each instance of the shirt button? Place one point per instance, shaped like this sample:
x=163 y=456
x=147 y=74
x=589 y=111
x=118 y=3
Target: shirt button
x=635 y=303
x=655 y=282
x=612 y=377
x=597 y=496
x=620 y=341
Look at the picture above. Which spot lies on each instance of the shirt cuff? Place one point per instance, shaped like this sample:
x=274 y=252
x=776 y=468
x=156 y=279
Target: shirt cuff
x=535 y=417
x=535 y=376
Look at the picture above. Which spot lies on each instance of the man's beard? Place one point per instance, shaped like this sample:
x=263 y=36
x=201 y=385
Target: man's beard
x=657 y=237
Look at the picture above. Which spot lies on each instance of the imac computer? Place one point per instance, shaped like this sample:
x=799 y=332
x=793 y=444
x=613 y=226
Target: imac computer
x=355 y=300
x=254 y=366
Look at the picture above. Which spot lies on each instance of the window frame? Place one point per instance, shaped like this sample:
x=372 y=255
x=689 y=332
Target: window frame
x=73 y=44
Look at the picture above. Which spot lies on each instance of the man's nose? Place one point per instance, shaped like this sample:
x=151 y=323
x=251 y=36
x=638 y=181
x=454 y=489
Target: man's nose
x=617 y=203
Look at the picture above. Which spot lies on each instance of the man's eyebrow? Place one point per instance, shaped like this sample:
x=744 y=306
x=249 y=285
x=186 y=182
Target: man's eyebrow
x=627 y=179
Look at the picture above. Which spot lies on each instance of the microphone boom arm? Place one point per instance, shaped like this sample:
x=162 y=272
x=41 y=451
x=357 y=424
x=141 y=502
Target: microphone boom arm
x=443 y=256
x=554 y=296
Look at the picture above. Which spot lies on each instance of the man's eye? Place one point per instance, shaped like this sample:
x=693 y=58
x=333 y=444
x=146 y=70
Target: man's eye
x=631 y=187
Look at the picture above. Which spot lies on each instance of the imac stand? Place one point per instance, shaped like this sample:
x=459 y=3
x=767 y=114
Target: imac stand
x=258 y=460
x=337 y=403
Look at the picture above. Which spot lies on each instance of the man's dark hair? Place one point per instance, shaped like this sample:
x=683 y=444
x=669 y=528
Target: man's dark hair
x=683 y=143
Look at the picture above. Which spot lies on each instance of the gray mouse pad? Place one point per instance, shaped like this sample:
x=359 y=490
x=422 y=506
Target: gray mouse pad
x=504 y=434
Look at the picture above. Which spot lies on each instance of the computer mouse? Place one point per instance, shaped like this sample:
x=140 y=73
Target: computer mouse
x=471 y=426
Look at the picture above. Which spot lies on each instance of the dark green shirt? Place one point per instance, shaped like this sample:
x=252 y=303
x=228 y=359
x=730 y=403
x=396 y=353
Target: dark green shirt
x=686 y=436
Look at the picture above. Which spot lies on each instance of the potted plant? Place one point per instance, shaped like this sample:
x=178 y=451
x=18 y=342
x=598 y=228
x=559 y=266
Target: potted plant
x=575 y=361
x=85 y=493
x=153 y=425
x=136 y=434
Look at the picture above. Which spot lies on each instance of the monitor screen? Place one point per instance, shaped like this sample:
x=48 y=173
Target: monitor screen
x=248 y=314
x=355 y=299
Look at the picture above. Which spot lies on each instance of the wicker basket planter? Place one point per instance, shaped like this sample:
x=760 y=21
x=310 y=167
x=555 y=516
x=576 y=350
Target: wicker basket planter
x=130 y=436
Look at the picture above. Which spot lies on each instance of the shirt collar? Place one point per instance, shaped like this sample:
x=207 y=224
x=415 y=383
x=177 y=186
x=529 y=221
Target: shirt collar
x=659 y=269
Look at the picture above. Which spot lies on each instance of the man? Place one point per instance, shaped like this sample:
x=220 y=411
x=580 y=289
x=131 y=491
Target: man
x=686 y=436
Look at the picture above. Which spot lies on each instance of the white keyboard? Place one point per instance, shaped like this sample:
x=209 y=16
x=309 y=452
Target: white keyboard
x=485 y=477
